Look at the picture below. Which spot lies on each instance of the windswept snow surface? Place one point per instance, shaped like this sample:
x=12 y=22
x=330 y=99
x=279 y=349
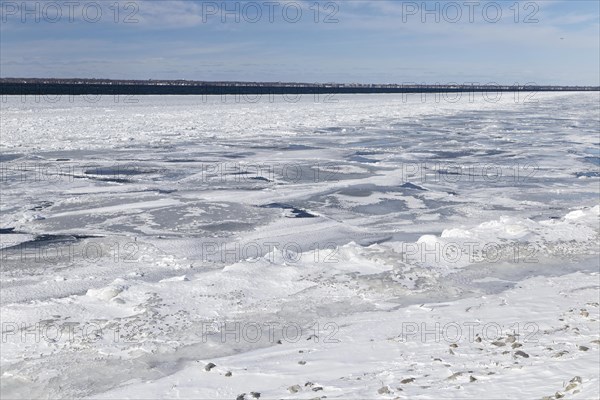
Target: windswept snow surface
x=351 y=246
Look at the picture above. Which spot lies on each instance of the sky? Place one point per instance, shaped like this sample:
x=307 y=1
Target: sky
x=365 y=41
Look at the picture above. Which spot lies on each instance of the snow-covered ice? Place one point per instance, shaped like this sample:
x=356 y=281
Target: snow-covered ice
x=375 y=246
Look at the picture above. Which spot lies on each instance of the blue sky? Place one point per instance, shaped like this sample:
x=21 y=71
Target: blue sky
x=371 y=41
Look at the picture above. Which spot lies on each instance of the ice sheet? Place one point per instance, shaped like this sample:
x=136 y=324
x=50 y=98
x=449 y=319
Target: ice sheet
x=139 y=231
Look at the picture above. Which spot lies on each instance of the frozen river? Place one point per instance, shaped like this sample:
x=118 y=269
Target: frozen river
x=135 y=231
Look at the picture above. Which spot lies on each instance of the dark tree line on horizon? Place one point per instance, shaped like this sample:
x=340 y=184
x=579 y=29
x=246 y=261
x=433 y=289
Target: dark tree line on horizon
x=77 y=86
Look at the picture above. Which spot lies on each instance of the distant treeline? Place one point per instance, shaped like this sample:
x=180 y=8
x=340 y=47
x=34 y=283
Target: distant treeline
x=27 y=86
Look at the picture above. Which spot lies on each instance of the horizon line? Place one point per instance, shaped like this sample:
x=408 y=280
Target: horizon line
x=194 y=82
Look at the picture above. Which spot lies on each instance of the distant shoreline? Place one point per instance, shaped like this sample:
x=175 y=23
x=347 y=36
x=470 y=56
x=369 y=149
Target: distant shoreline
x=36 y=86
